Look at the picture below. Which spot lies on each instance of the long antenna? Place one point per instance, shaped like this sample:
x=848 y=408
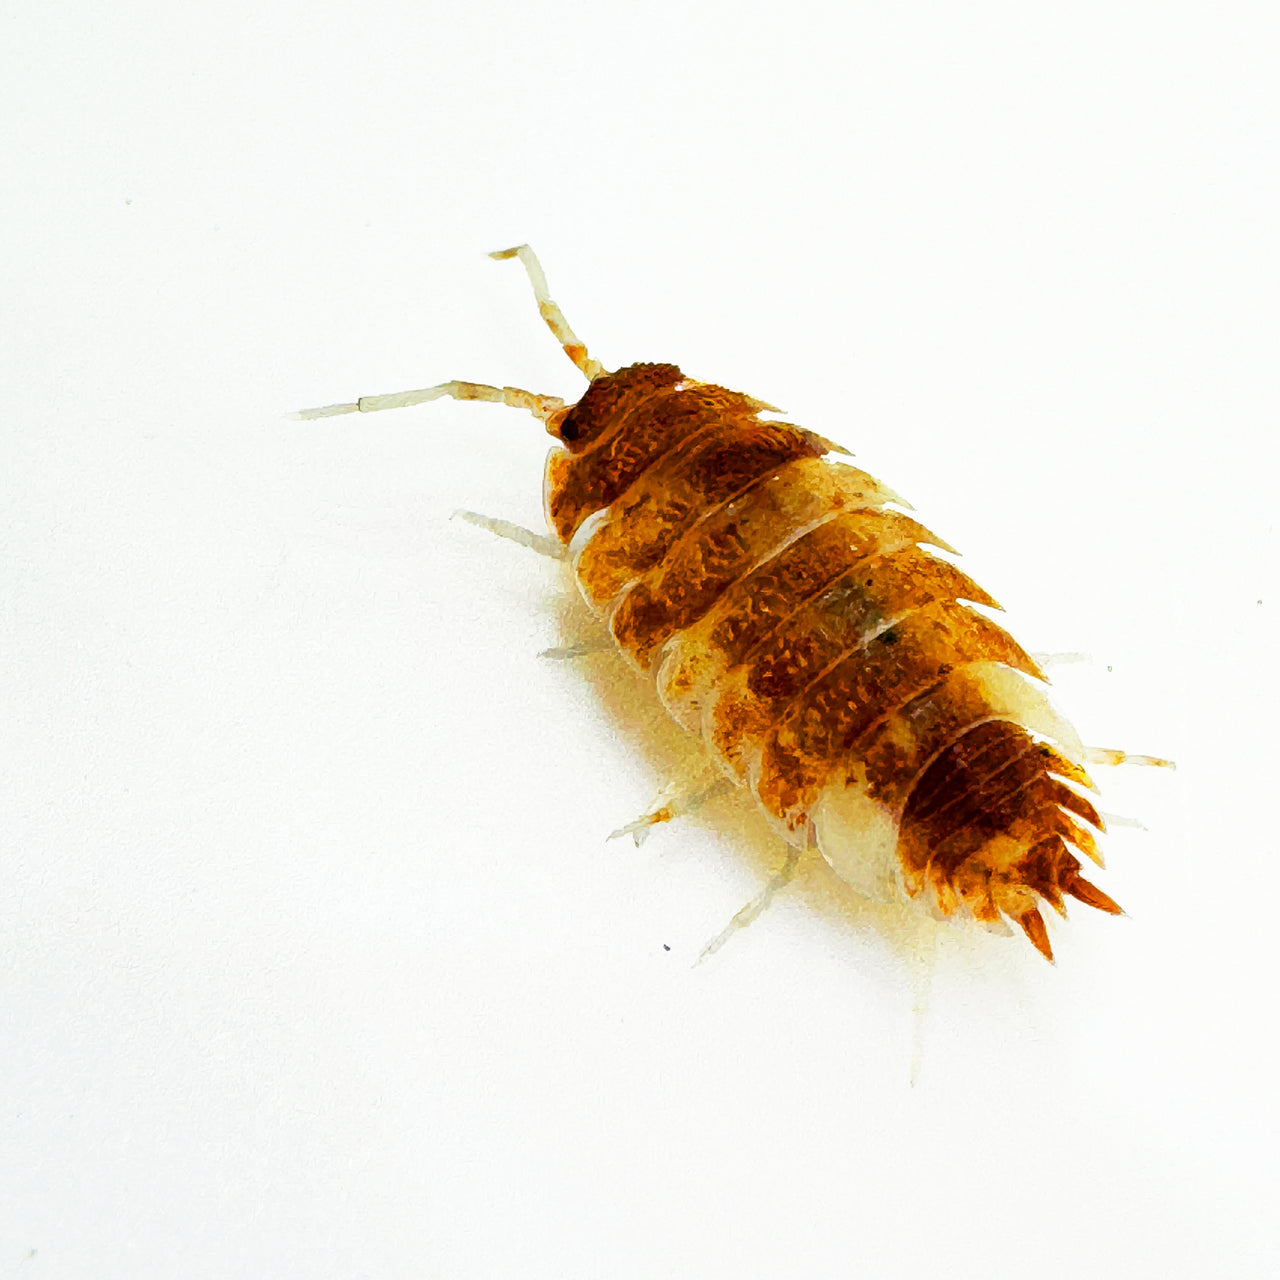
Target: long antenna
x=551 y=313
x=542 y=407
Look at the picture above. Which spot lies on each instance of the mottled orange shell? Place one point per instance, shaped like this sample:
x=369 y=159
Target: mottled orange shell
x=796 y=620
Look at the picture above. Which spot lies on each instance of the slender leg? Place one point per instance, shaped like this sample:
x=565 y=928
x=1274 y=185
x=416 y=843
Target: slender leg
x=1118 y=820
x=580 y=648
x=539 y=542
x=1060 y=659
x=686 y=803
x=1109 y=755
x=756 y=907
x=542 y=407
x=550 y=313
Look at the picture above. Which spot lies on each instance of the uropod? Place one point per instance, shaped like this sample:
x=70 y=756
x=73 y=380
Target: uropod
x=791 y=612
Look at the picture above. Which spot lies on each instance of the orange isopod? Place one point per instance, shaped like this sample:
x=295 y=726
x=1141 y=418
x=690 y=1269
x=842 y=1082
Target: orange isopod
x=789 y=613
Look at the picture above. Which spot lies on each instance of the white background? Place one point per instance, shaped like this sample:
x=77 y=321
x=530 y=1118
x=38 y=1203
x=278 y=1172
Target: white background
x=314 y=960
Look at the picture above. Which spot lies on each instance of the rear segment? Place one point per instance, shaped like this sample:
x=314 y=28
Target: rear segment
x=988 y=825
x=831 y=663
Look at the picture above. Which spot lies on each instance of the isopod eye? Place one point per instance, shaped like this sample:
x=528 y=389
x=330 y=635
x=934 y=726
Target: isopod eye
x=607 y=402
x=556 y=424
x=572 y=424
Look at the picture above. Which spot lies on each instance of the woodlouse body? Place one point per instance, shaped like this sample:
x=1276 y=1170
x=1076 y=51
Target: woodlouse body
x=832 y=664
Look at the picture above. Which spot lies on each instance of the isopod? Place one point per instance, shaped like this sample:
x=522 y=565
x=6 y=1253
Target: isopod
x=790 y=611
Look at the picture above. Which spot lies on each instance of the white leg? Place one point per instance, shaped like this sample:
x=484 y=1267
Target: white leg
x=1109 y=755
x=1117 y=820
x=755 y=908
x=579 y=649
x=539 y=542
x=1060 y=659
x=686 y=803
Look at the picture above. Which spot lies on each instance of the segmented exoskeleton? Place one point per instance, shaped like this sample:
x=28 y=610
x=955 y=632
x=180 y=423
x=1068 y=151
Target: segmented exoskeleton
x=833 y=664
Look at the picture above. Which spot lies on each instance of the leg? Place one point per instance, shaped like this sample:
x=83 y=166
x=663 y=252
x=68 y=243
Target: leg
x=1109 y=755
x=542 y=407
x=755 y=908
x=1060 y=659
x=686 y=803
x=539 y=542
x=580 y=649
x=1117 y=820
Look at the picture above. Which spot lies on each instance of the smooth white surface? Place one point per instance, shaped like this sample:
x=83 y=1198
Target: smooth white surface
x=313 y=958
